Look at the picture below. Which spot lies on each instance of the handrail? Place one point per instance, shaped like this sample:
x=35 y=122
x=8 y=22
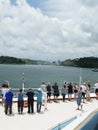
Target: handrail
x=16 y=90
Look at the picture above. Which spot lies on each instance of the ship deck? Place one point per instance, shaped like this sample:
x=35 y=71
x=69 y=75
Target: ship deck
x=46 y=120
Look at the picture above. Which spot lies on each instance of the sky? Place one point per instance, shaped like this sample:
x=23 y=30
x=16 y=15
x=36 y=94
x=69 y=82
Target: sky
x=49 y=29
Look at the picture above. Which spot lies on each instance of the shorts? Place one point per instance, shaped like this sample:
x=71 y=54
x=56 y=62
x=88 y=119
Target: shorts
x=75 y=91
x=83 y=94
x=49 y=94
x=96 y=90
x=56 y=94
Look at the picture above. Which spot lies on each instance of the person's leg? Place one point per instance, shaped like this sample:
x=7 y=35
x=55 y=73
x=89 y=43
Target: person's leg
x=63 y=97
x=10 y=108
x=40 y=105
x=37 y=106
x=78 y=108
x=32 y=107
x=28 y=106
x=68 y=96
x=18 y=106
x=50 y=97
x=6 y=108
x=21 y=107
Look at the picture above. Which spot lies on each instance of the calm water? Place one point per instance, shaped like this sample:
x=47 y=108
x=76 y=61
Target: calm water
x=35 y=74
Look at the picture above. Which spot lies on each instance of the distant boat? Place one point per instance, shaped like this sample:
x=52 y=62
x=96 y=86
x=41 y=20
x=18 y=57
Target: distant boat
x=95 y=70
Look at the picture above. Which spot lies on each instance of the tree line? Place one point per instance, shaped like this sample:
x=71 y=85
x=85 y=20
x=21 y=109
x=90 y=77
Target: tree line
x=10 y=60
x=85 y=62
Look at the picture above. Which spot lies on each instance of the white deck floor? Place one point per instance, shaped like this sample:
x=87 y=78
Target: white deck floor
x=57 y=112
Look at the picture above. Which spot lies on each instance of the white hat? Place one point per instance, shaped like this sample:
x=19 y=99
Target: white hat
x=9 y=89
x=39 y=89
x=84 y=83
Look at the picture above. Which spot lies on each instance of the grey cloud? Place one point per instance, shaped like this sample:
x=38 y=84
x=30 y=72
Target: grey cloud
x=62 y=32
x=90 y=3
x=93 y=32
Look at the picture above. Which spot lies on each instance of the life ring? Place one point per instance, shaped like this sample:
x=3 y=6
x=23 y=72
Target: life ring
x=25 y=104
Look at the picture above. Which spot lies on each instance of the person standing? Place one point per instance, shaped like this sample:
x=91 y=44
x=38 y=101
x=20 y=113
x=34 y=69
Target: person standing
x=70 y=91
x=75 y=87
x=64 y=91
x=39 y=100
x=20 y=102
x=88 y=86
x=8 y=101
x=55 y=91
x=30 y=94
x=79 y=98
x=48 y=88
x=44 y=94
x=3 y=92
x=83 y=91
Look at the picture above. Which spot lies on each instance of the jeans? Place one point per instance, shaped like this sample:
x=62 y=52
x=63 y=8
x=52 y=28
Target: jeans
x=63 y=97
x=39 y=104
x=30 y=106
x=8 y=107
x=20 y=106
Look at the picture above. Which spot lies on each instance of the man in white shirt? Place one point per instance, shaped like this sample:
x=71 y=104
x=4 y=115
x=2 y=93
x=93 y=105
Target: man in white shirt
x=43 y=87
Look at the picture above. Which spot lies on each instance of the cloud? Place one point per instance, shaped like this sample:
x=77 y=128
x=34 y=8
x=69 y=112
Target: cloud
x=48 y=30
x=91 y=3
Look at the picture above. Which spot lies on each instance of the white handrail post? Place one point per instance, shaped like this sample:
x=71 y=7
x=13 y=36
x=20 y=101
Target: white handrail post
x=23 y=82
x=80 y=79
x=8 y=83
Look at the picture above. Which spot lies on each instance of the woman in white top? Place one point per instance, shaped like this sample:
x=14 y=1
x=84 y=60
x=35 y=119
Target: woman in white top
x=43 y=89
x=3 y=91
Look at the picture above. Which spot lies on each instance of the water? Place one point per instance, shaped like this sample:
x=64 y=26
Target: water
x=35 y=74
x=92 y=123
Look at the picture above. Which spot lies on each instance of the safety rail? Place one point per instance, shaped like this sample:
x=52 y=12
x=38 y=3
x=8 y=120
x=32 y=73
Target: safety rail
x=16 y=90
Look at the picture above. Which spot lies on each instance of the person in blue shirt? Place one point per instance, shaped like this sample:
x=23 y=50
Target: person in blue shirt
x=79 y=98
x=39 y=100
x=20 y=102
x=8 y=101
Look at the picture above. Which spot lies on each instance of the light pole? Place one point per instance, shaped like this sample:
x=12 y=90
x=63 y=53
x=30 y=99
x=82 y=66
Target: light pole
x=23 y=81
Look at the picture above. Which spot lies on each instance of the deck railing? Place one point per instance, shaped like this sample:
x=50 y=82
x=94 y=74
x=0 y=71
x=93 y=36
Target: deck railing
x=16 y=90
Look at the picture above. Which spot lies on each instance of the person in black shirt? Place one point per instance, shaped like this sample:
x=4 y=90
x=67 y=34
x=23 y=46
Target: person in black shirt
x=48 y=88
x=30 y=95
x=70 y=91
x=55 y=91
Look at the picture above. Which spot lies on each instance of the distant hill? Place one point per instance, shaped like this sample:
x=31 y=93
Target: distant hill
x=10 y=60
x=86 y=62
x=14 y=60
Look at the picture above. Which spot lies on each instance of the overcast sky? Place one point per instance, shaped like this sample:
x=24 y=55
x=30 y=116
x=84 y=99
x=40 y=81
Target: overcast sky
x=49 y=29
